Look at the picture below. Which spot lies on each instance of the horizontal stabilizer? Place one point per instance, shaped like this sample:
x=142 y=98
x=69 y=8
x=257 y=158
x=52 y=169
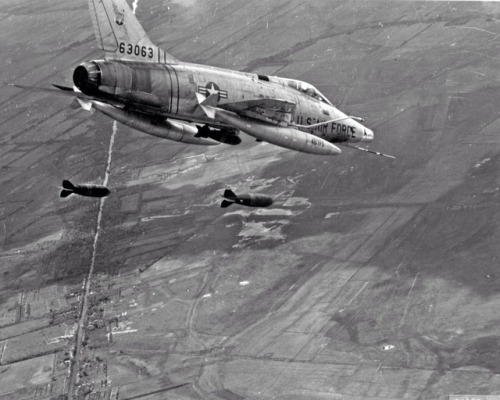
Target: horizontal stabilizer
x=84 y=101
x=65 y=193
x=64 y=88
x=60 y=91
x=68 y=185
x=225 y=203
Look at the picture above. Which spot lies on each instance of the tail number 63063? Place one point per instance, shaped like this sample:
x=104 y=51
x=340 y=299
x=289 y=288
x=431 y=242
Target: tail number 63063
x=142 y=51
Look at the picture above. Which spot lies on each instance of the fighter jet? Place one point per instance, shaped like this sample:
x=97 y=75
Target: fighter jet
x=247 y=199
x=146 y=88
x=83 y=190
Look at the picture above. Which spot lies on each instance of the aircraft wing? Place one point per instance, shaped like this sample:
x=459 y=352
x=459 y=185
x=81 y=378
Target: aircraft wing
x=269 y=110
x=284 y=136
x=61 y=90
x=269 y=104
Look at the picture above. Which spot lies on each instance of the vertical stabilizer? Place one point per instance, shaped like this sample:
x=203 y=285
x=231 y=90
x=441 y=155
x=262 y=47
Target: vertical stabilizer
x=229 y=194
x=120 y=35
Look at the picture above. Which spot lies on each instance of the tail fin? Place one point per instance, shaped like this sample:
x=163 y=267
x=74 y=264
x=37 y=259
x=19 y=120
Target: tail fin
x=65 y=193
x=120 y=35
x=225 y=203
x=229 y=194
x=68 y=185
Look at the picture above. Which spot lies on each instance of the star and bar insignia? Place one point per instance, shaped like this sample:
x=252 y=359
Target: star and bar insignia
x=211 y=88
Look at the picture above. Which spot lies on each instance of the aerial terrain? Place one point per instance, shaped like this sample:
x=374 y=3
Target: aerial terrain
x=368 y=278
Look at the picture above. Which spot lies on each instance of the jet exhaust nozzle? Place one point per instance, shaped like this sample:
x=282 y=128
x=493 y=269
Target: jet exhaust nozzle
x=87 y=77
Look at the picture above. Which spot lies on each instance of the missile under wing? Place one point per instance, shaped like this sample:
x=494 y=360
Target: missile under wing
x=83 y=190
x=246 y=199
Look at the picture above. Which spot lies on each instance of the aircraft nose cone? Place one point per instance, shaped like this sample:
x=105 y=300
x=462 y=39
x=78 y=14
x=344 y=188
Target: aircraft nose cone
x=368 y=135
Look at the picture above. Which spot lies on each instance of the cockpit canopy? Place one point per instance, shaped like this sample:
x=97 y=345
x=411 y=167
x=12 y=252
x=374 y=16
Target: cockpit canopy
x=302 y=87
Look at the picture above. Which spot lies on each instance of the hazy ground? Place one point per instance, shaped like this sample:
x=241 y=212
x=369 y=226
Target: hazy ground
x=368 y=278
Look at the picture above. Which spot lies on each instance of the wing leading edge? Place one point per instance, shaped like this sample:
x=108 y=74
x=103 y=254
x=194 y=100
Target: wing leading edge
x=269 y=110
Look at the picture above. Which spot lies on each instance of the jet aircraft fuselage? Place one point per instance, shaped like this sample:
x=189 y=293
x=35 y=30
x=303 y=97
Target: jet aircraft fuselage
x=169 y=91
x=144 y=87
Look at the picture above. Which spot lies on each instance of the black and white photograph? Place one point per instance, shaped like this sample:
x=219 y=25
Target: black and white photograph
x=249 y=199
